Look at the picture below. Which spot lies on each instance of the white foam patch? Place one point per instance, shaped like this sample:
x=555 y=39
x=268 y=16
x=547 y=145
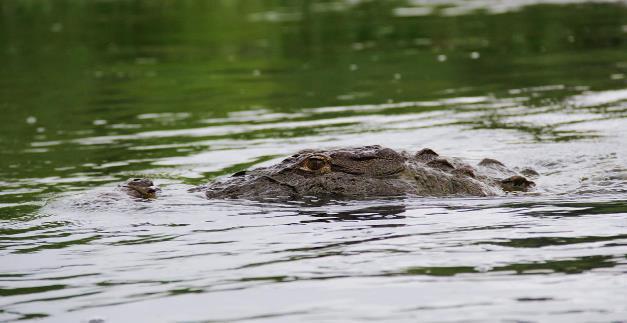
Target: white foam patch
x=591 y=99
x=462 y=7
x=550 y=119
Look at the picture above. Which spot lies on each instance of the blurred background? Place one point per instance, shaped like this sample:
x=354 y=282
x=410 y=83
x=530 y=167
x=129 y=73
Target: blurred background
x=87 y=83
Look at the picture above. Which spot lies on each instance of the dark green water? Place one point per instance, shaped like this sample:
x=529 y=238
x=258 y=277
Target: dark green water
x=95 y=92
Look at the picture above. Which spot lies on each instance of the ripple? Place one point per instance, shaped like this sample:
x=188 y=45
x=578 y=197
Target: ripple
x=221 y=87
x=30 y=290
x=539 y=242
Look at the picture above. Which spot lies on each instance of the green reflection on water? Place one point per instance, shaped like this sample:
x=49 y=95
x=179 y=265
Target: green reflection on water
x=74 y=70
x=540 y=242
x=574 y=266
x=29 y=290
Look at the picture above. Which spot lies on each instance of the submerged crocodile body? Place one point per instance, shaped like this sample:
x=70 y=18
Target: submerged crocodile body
x=362 y=172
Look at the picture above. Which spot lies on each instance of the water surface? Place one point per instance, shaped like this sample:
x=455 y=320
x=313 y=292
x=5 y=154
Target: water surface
x=92 y=93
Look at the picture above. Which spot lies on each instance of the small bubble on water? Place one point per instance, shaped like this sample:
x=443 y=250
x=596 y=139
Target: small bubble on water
x=256 y=73
x=483 y=268
x=571 y=39
x=113 y=48
x=441 y=58
x=145 y=60
x=398 y=76
x=98 y=74
x=617 y=76
x=100 y=122
x=41 y=129
x=56 y=27
x=31 y=120
x=358 y=46
x=353 y=67
x=475 y=55
x=422 y=41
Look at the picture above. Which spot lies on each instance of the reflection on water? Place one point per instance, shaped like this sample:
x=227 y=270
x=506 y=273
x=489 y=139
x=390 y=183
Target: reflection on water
x=183 y=92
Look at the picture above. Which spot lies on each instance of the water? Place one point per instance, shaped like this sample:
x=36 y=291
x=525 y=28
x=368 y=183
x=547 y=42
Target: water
x=92 y=93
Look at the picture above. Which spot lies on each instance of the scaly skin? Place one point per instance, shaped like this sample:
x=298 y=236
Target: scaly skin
x=369 y=171
x=140 y=188
x=360 y=172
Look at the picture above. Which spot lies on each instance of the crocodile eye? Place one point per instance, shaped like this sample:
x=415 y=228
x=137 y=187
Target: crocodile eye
x=315 y=163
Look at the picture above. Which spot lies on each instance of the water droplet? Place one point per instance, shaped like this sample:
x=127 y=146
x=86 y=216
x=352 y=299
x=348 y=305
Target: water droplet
x=256 y=73
x=100 y=122
x=353 y=67
x=441 y=58
x=31 y=120
x=358 y=46
x=398 y=76
x=515 y=91
x=145 y=60
x=483 y=268
x=475 y=55
x=112 y=48
x=56 y=27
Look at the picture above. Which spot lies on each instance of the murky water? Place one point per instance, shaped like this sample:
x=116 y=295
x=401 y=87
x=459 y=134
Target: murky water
x=92 y=93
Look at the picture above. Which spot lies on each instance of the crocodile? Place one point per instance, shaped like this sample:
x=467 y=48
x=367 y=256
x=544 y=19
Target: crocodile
x=142 y=188
x=363 y=172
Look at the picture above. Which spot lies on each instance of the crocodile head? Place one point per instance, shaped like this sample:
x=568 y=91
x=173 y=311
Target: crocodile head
x=369 y=171
x=140 y=188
